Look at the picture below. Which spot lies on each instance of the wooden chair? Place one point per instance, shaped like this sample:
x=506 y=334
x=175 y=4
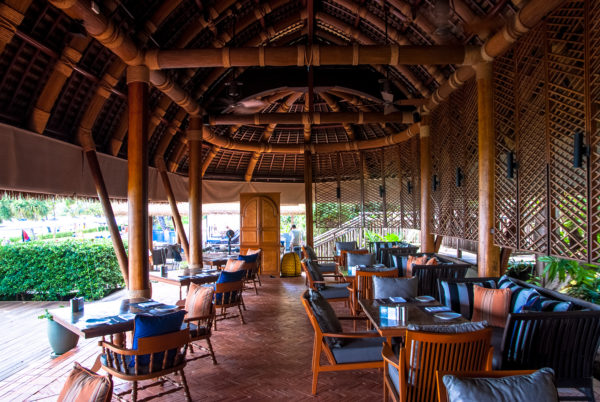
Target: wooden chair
x=165 y=354
x=253 y=271
x=425 y=353
x=343 y=257
x=334 y=292
x=441 y=388
x=230 y=297
x=201 y=322
x=320 y=346
x=362 y=286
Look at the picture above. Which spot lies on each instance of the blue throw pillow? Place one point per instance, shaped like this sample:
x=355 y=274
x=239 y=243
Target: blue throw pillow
x=248 y=258
x=227 y=277
x=520 y=295
x=152 y=325
x=533 y=304
x=548 y=304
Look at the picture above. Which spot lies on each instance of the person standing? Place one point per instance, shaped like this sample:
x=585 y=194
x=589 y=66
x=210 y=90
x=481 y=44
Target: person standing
x=296 y=241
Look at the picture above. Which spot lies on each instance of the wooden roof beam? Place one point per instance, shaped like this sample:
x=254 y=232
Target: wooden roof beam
x=336 y=108
x=311 y=118
x=12 y=13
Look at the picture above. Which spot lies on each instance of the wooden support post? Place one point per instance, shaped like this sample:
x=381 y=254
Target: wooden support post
x=150 y=242
x=162 y=170
x=505 y=253
x=488 y=255
x=137 y=186
x=194 y=135
x=427 y=242
x=308 y=197
x=86 y=141
x=437 y=243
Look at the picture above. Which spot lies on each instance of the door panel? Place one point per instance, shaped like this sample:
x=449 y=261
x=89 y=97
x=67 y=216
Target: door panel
x=259 y=218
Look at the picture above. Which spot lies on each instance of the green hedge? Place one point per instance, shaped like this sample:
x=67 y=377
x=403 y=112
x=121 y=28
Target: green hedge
x=52 y=271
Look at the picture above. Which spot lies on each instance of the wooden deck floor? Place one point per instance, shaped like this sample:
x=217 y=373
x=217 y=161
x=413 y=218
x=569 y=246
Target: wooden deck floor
x=268 y=358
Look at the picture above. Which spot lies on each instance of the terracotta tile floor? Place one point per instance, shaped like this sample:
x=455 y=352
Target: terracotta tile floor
x=268 y=358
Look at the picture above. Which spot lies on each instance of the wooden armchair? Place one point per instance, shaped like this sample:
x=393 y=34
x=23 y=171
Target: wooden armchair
x=342 y=358
x=342 y=259
x=199 y=318
x=441 y=389
x=228 y=295
x=253 y=271
x=362 y=286
x=410 y=376
x=155 y=357
x=332 y=291
x=327 y=265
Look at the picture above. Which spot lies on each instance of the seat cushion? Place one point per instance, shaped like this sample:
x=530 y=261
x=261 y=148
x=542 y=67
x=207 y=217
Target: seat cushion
x=392 y=287
x=227 y=277
x=460 y=328
x=353 y=259
x=328 y=267
x=85 y=385
x=315 y=273
x=394 y=376
x=335 y=291
x=196 y=331
x=344 y=245
x=491 y=305
x=496 y=342
x=459 y=295
x=538 y=386
x=359 y=350
x=325 y=316
x=310 y=253
x=198 y=301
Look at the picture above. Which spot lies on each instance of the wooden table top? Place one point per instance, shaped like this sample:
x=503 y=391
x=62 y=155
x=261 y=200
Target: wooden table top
x=121 y=315
x=179 y=277
x=415 y=314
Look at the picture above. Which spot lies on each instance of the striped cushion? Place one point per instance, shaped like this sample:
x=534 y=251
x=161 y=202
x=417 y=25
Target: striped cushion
x=459 y=296
x=198 y=302
x=234 y=265
x=491 y=305
x=549 y=304
x=520 y=295
x=85 y=385
x=432 y=261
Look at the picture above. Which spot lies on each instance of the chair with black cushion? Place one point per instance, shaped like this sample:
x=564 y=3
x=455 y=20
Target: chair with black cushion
x=429 y=275
x=395 y=287
x=330 y=290
x=410 y=375
x=343 y=350
x=513 y=385
x=340 y=247
x=324 y=266
x=199 y=318
x=565 y=341
x=366 y=260
x=158 y=348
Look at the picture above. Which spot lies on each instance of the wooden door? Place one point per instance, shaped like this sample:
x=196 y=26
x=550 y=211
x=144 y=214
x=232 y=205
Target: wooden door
x=259 y=227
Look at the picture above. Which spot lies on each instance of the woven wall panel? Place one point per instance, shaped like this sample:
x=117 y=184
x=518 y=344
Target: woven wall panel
x=453 y=147
x=506 y=119
x=350 y=188
x=594 y=70
x=393 y=187
x=410 y=168
x=373 y=188
x=568 y=186
x=530 y=88
x=327 y=205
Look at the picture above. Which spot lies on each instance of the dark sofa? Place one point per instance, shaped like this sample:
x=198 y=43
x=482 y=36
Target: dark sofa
x=567 y=341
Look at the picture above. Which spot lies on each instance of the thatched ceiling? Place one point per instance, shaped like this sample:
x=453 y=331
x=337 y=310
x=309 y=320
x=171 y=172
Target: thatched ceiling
x=56 y=80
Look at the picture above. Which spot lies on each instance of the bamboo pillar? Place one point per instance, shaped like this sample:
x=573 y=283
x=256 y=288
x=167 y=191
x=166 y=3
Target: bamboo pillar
x=488 y=262
x=87 y=143
x=194 y=134
x=427 y=241
x=137 y=186
x=162 y=170
x=308 y=197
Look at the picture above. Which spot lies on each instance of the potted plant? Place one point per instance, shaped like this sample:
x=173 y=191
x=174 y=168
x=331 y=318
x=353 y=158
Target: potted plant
x=61 y=339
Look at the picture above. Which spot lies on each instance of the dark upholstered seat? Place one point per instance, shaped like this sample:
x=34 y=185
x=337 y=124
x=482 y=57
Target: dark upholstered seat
x=359 y=350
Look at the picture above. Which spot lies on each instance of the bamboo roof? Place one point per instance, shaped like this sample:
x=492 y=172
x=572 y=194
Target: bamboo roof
x=58 y=81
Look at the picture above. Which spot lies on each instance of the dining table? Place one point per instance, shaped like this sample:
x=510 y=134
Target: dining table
x=217 y=260
x=183 y=278
x=416 y=312
x=108 y=318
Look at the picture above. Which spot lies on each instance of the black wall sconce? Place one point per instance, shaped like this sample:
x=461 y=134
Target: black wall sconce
x=459 y=177
x=409 y=187
x=381 y=191
x=511 y=165
x=579 y=149
x=338 y=192
x=435 y=182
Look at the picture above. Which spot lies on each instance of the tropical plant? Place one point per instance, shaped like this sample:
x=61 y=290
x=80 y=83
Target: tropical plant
x=560 y=268
x=582 y=280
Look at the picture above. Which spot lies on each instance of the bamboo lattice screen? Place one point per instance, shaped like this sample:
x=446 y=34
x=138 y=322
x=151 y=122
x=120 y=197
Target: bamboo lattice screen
x=372 y=189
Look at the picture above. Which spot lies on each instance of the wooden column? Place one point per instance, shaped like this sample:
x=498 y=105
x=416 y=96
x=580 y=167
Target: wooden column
x=488 y=263
x=86 y=141
x=308 y=196
x=137 y=186
x=194 y=135
x=427 y=240
x=162 y=170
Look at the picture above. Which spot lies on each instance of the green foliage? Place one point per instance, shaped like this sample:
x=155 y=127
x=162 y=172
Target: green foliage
x=78 y=207
x=23 y=208
x=46 y=315
x=583 y=279
x=558 y=267
x=522 y=270
x=371 y=236
x=393 y=237
x=51 y=271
